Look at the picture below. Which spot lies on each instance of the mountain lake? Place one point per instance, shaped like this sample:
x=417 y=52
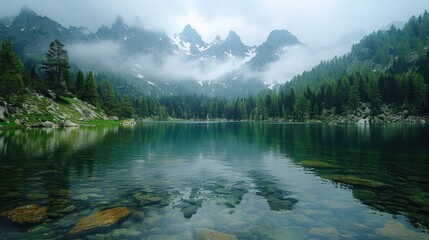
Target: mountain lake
x=215 y=180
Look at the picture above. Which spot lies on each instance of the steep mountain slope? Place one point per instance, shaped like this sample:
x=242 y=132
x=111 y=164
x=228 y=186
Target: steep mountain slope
x=277 y=42
x=156 y=63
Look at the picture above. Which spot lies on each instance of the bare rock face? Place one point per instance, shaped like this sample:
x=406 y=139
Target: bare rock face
x=3 y=111
x=28 y=214
x=67 y=123
x=100 y=219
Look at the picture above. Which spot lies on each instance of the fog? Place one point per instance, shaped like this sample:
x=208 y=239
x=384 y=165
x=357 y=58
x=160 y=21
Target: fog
x=109 y=55
x=296 y=60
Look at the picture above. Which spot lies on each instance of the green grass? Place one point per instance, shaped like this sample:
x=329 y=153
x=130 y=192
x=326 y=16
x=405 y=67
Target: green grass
x=102 y=122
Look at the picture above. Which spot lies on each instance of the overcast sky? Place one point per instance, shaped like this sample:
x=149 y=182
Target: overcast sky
x=314 y=22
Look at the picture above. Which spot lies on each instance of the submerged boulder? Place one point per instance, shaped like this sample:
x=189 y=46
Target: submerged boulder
x=396 y=230
x=355 y=181
x=317 y=164
x=209 y=234
x=100 y=219
x=28 y=214
x=147 y=199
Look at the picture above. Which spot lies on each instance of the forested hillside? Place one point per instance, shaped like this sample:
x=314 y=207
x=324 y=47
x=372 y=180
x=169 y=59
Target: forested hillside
x=387 y=72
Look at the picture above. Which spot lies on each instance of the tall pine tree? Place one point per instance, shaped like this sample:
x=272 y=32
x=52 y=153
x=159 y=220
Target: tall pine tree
x=80 y=80
x=11 y=72
x=57 y=66
x=90 y=93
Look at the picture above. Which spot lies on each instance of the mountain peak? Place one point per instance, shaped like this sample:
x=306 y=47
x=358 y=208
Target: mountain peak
x=282 y=37
x=119 y=19
x=137 y=22
x=27 y=10
x=233 y=36
x=189 y=34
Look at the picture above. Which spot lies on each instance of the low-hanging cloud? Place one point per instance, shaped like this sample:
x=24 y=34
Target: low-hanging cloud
x=297 y=59
x=104 y=54
x=109 y=55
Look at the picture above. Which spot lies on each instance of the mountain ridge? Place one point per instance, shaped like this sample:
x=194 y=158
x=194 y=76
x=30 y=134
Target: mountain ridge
x=31 y=34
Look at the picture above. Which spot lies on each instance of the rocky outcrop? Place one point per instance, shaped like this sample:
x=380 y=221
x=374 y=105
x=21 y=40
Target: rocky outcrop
x=100 y=219
x=129 y=122
x=46 y=124
x=28 y=214
x=363 y=115
x=3 y=111
x=40 y=111
x=67 y=123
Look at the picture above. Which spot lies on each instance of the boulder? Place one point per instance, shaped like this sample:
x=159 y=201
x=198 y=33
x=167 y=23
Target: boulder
x=356 y=181
x=67 y=123
x=147 y=199
x=3 y=111
x=28 y=214
x=318 y=164
x=46 y=124
x=115 y=118
x=396 y=230
x=130 y=121
x=51 y=94
x=363 y=121
x=100 y=219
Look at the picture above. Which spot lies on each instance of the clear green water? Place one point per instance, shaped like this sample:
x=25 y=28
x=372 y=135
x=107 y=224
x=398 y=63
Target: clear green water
x=252 y=180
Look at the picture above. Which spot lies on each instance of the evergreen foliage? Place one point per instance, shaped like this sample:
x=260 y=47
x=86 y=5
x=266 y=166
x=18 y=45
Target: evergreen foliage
x=57 y=67
x=11 y=72
x=90 y=93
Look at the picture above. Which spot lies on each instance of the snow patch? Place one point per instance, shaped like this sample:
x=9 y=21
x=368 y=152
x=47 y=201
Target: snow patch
x=22 y=30
x=184 y=46
x=138 y=65
x=151 y=83
x=249 y=55
x=140 y=76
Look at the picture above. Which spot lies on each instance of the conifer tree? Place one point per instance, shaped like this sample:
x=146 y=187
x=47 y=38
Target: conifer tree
x=127 y=110
x=11 y=72
x=80 y=80
x=57 y=66
x=90 y=93
x=107 y=97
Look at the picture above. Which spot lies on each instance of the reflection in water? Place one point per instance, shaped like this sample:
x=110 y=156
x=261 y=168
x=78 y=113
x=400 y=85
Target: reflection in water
x=256 y=181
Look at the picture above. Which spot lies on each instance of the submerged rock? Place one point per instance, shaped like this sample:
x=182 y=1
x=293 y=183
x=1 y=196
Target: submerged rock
x=326 y=231
x=209 y=234
x=100 y=219
x=28 y=214
x=147 y=199
x=396 y=230
x=352 y=180
x=317 y=164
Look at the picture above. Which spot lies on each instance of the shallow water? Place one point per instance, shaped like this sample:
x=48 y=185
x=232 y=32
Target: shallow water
x=251 y=180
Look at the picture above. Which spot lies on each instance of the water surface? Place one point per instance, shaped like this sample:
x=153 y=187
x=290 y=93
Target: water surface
x=251 y=180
